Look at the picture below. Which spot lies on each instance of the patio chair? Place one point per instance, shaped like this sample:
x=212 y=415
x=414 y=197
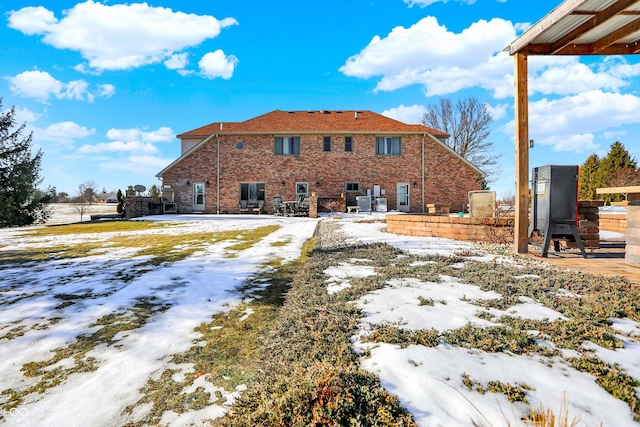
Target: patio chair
x=258 y=208
x=302 y=208
x=278 y=207
x=244 y=208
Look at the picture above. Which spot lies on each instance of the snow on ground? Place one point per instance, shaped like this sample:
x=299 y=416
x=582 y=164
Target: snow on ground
x=195 y=288
x=427 y=380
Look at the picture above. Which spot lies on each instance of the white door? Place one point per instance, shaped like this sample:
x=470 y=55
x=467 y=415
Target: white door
x=403 y=197
x=198 y=196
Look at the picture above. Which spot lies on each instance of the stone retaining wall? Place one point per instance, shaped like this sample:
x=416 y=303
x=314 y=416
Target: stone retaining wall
x=448 y=227
x=632 y=249
x=614 y=222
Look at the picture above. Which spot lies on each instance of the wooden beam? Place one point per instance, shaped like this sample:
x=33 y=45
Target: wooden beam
x=551 y=19
x=615 y=36
x=618 y=190
x=521 y=107
x=583 y=49
x=598 y=19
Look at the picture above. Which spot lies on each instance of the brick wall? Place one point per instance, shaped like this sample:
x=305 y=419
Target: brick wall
x=447 y=227
x=447 y=178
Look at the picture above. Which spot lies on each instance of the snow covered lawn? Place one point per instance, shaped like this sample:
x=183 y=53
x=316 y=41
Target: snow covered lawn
x=83 y=335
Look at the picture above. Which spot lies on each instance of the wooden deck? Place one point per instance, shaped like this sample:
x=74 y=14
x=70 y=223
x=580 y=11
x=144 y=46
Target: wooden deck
x=606 y=261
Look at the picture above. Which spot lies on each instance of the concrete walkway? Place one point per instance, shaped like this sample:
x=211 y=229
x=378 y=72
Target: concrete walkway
x=606 y=261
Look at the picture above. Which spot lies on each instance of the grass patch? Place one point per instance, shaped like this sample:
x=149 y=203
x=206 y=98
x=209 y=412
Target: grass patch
x=97 y=227
x=309 y=374
x=233 y=344
x=611 y=378
x=161 y=248
x=49 y=375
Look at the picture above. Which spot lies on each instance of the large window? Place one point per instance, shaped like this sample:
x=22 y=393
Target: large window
x=287 y=145
x=252 y=191
x=388 y=145
x=326 y=143
x=348 y=143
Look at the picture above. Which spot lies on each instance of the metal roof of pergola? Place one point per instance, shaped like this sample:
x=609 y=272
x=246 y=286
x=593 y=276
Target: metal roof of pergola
x=575 y=27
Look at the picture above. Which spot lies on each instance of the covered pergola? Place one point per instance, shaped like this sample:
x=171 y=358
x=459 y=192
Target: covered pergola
x=575 y=27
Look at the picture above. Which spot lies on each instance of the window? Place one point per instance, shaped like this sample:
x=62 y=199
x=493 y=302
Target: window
x=327 y=143
x=348 y=143
x=388 y=145
x=353 y=186
x=252 y=192
x=287 y=145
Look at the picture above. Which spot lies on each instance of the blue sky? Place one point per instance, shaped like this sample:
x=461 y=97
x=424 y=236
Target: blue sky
x=106 y=86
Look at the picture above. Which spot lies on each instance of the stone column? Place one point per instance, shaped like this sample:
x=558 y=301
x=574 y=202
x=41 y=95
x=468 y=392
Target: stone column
x=632 y=251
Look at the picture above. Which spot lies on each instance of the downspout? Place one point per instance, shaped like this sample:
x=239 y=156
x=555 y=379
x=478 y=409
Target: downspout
x=218 y=173
x=422 y=157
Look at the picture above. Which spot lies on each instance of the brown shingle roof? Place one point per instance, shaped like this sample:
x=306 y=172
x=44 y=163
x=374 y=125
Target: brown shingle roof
x=312 y=122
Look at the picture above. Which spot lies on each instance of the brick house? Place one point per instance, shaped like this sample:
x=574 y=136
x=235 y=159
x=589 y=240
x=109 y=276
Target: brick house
x=290 y=154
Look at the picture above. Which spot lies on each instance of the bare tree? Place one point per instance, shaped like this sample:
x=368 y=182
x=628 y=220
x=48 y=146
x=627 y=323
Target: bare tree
x=467 y=123
x=87 y=191
x=84 y=198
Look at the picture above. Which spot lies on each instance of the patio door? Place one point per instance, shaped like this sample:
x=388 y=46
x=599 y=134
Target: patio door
x=302 y=190
x=402 y=203
x=198 y=196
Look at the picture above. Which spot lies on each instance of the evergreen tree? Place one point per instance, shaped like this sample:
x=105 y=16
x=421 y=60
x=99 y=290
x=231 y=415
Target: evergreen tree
x=617 y=158
x=154 y=191
x=588 y=178
x=20 y=202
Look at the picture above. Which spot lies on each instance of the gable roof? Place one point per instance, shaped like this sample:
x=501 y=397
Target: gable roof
x=337 y=121
x=314 y=122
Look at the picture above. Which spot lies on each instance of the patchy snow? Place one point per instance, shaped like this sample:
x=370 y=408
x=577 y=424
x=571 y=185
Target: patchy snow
x=428 y=381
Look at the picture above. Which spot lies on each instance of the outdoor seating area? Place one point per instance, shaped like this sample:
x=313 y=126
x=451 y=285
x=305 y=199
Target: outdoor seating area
x=298 y=207
x=254 y=207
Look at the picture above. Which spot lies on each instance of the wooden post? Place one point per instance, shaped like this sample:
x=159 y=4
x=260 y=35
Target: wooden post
x=521 y=107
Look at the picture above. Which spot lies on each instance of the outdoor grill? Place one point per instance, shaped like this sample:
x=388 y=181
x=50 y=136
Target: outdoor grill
x=554 y=205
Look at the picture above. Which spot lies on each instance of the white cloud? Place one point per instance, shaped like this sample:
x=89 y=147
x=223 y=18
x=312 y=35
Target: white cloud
x=41 y=86
x=63 y=133
x=163 y=134
x=578 y=143
x=139 y=166
x=35 y=84
x=574 y=77
x=570 y=123
x=130 y=140
x=118 y=147
x=24 y=115
x=425 y=3
x=120 y=36
x=593 y=111
x=177 y=61
x=407 y=114
x=106 y=90
x=442 y=61
x=497 y=112
x=216 y=64
x=32 y=20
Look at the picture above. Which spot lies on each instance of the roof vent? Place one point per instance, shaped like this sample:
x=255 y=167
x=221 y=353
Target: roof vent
x=220 y=125
x=326 y=112
x=355 y=115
